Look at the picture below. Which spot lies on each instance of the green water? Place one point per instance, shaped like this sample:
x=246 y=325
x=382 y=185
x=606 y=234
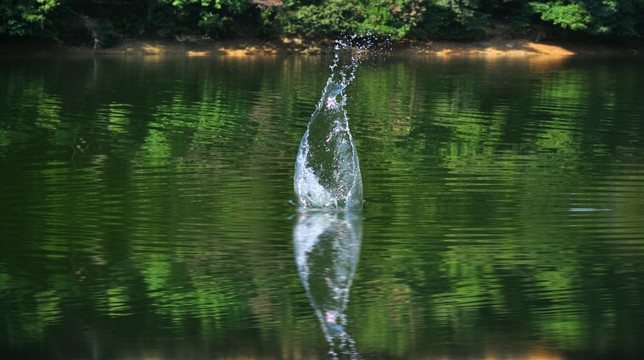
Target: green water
x=144 y=208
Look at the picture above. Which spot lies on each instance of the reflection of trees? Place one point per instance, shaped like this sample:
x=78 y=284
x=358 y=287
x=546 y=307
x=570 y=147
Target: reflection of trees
x=137 y=167
x=495 y=165
x=492 y=158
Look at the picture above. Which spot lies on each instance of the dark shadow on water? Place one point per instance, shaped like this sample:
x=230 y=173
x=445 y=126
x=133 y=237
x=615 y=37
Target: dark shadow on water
x=327 y=248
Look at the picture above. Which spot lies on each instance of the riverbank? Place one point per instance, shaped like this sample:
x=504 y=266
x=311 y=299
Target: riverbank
x=193 y=46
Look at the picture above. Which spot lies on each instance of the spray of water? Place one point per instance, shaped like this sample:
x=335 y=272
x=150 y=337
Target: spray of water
x=328 y=185
x=327 y=170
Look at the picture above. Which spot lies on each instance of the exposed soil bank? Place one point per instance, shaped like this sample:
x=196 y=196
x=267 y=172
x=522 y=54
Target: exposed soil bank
x=191 y=46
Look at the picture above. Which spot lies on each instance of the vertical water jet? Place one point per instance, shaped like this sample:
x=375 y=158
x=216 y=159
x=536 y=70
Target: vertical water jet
x=327 y=170
x=328 y=186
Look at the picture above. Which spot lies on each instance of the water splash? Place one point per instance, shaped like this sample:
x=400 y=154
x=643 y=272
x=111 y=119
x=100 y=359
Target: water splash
x=327 y=248
x=328 y=185
x=327 y=170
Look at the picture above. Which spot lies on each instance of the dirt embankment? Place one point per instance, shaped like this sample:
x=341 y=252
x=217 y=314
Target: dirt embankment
x=193 y=46
x=518 y=47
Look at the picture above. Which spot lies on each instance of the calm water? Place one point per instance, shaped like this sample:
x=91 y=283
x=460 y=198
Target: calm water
x=145 y=210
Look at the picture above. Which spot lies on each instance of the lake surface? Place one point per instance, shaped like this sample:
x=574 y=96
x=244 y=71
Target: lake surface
x=145 y=210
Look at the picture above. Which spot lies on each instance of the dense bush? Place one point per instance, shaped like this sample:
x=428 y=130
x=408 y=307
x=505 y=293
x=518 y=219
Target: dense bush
x=441 y=22
x=327 y=18
x=28 y=17
x=396 y=18
x=443 y=19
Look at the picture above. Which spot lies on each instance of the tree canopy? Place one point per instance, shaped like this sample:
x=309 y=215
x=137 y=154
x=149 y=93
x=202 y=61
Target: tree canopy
x=103 y=21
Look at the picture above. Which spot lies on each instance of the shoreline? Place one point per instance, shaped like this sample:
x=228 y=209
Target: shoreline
x=192 y=46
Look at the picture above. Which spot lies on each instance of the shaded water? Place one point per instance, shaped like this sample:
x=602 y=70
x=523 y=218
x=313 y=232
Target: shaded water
x=145 y=208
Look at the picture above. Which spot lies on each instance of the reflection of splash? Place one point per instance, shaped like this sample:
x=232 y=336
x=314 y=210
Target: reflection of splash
x=327 y=247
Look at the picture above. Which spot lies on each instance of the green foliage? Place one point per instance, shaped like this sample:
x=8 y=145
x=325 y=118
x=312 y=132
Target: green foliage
x=572 y=16
x=628 y=20
x=331 y=17
x=211 y=17
x=26 y=17
x=392 y=17
x=469 y=12
x=441 y=22
x=437 y=19
x=610 y=18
